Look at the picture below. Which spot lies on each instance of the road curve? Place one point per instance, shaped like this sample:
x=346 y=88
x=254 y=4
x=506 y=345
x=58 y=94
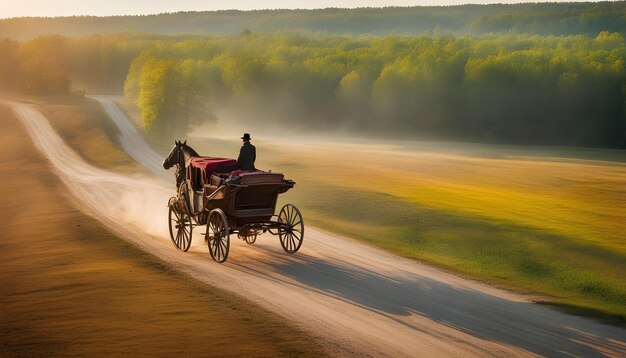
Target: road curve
x=131 y=140
x=360 y=300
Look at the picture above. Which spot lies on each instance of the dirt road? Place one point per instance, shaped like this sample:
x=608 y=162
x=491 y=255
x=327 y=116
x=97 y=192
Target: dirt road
x=359 y=299
x=72 y=289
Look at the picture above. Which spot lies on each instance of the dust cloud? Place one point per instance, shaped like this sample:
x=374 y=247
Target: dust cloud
x=134 y=200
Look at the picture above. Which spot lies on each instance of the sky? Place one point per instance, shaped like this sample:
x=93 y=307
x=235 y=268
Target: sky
x=18 y=8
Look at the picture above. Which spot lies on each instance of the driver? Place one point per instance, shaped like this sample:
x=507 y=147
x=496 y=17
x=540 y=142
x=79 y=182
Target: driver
x=247 y=154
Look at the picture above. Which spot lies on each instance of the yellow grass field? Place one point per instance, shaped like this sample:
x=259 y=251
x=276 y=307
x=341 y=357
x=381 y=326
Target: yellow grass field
x=581 y=199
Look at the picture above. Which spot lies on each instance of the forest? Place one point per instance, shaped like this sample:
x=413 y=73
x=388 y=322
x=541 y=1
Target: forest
x=519 y=89
x=514 y=89
x=533 y=18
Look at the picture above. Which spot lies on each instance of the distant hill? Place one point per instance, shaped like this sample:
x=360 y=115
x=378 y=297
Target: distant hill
x=534 y=18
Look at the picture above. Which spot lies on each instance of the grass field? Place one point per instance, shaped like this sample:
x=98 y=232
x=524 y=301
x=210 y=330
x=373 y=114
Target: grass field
x=86 y=127
x=525 y=219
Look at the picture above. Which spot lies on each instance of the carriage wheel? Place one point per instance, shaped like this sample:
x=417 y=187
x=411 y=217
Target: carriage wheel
x=181 y=228
x=218 y=235
x=251 y=239
x=249 y=235
x=291 y=230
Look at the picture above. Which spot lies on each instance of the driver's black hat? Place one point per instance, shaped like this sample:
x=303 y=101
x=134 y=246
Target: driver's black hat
x=246 y=136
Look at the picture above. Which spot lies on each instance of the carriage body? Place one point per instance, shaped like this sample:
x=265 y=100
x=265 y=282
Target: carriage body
x=243 y=201
x=250 y=201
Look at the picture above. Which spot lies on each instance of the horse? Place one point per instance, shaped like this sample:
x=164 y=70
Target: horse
x=180 y=154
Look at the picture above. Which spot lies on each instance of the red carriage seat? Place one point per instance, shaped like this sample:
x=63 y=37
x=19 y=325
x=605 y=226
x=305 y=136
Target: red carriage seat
x=209 y=164
x=201 y=168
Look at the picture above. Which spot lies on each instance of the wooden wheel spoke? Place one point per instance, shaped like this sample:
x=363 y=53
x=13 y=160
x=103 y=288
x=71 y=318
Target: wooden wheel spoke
x=293 y=241
x=178 y=237
x=289 y=212
x=224 y=248
x=294 y=216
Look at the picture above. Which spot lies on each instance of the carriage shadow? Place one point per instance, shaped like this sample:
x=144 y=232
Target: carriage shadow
x=535 y=328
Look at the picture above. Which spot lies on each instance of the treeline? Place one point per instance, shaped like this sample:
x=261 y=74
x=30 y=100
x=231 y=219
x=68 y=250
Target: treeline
x=525 y=89
x=536 y=18
x=51 y=64
x=513 y=89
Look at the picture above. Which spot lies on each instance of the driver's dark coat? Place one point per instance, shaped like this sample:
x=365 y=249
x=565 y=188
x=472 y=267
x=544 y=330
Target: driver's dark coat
x=247 y=156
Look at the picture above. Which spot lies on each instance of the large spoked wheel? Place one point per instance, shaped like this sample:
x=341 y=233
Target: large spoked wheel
x=291 y=228
x=181 y=228
x=218 y=235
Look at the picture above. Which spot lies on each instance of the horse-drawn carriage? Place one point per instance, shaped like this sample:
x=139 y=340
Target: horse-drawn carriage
x=237 y=202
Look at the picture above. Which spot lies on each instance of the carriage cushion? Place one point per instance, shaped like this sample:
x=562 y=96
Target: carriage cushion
x=210 y=164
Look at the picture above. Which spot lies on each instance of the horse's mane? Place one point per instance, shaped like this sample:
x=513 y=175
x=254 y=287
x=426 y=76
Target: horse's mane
x=191 y=151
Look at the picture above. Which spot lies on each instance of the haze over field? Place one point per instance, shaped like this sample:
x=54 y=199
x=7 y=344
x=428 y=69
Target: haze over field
x=534 y=18
x=144 y=7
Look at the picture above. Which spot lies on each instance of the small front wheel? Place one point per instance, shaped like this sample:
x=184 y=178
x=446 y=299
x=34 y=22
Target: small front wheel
x=218 y=235
x=251 y=239
x=291 y=228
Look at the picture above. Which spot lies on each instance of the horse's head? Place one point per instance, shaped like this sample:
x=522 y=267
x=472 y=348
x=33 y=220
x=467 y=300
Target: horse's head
x=176 y=156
